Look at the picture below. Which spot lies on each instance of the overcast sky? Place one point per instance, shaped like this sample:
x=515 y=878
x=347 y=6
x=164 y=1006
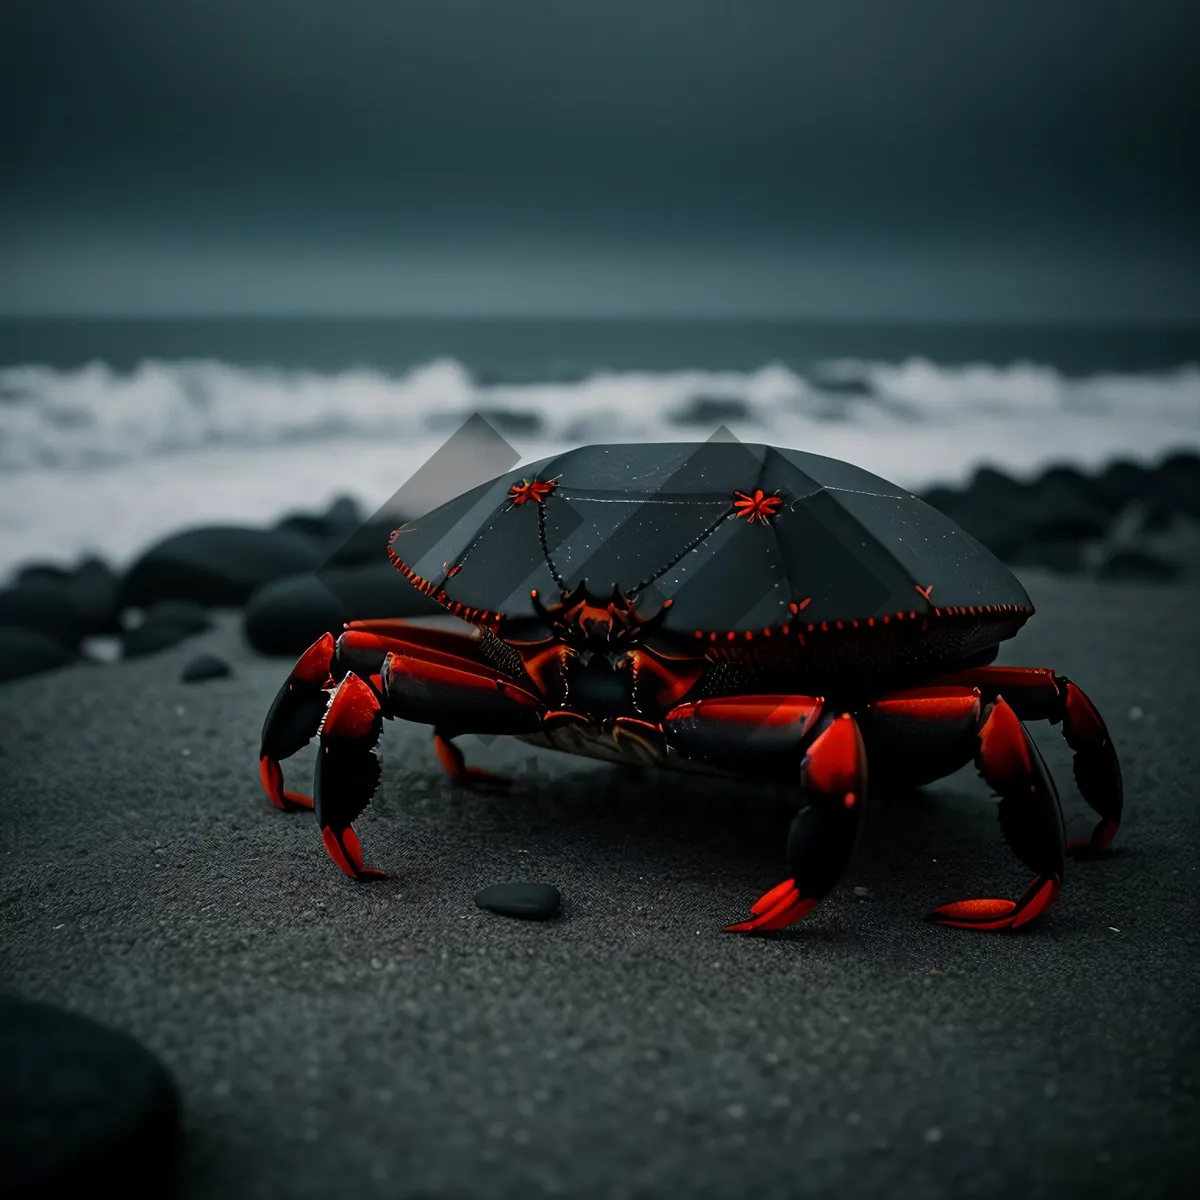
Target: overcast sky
x=869 y=158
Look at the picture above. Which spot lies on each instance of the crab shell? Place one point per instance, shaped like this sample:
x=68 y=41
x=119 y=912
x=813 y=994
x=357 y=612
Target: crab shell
x=750 y=549
x=740 y=609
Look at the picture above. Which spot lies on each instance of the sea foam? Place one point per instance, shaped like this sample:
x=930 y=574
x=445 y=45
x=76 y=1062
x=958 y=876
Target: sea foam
x=103 y=461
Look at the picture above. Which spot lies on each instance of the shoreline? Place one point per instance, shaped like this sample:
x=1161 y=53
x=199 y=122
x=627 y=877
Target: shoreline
x=149 y=884
x=312 y=571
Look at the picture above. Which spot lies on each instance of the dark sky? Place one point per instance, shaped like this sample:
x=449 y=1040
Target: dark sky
x=873 y=158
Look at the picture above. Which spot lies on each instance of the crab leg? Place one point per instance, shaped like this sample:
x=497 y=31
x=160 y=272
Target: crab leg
x=347 y=771
x=823 y=833
x=1038 y=694
x=418 y=684
x=765 y=732
x=1030 y=816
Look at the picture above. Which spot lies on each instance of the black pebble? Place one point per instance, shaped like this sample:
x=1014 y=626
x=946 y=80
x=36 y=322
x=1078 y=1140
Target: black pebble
x=205 y=666
x=84 y=1110
x=533 y=901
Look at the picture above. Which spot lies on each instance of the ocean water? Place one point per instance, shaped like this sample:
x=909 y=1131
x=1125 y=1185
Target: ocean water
x=115 y=433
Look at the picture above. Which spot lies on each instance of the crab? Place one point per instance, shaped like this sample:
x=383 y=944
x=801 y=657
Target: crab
x=744 y=611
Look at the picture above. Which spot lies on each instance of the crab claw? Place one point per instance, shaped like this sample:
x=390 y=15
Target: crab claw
x=780 y=907
x=999 y=914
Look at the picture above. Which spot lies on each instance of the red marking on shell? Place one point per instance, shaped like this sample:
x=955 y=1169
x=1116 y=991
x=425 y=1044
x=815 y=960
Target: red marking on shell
x=757 y=507
x=531 y=489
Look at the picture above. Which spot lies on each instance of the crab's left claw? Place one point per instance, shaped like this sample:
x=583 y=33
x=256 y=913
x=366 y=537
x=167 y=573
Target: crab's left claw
x=348 y=772
x=824 y=832
x=293 y=721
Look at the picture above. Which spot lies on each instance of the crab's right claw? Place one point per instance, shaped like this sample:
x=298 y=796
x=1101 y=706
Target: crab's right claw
x=1030 y=817
x=999 y=914
x=823 y=833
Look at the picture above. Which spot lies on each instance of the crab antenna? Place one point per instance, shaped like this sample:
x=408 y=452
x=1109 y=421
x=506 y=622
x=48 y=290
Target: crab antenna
x=655 y=621
x=538 y=606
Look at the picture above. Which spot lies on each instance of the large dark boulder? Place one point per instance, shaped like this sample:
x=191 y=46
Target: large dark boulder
x=1121 y=484
x=66 y=604
x=1129 y=564
x=45 y=605
x=367 y=544
x=287 y=616
x=1173 y=490
x=994 y=508
x=332 y=527
x=217 y=565
x=26 y=652
x=84 y=1110
x=165 y=625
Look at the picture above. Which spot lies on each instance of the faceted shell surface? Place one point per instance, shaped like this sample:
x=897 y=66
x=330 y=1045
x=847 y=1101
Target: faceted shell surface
x=659 y=521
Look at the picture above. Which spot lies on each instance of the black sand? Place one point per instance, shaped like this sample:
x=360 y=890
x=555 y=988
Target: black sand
x=395 y=1040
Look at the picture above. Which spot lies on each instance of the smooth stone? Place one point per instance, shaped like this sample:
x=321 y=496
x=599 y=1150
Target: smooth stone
x=84 y=1110
x=531 y=901
x=1138 y=566
x=91 y=587
x=367 y=544
x=166 y=624
x=287 y=616
x=334 y=525
x=28 y=652
x=44 y=605
x=218 y=565
x=205 y=666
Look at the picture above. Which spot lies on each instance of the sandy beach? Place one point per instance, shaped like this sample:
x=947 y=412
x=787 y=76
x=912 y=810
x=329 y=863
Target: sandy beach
x=395 y=1040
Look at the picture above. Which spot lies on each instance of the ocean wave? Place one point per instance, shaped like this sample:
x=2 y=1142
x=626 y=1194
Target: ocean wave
x=96 y=416
x=101 y=461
